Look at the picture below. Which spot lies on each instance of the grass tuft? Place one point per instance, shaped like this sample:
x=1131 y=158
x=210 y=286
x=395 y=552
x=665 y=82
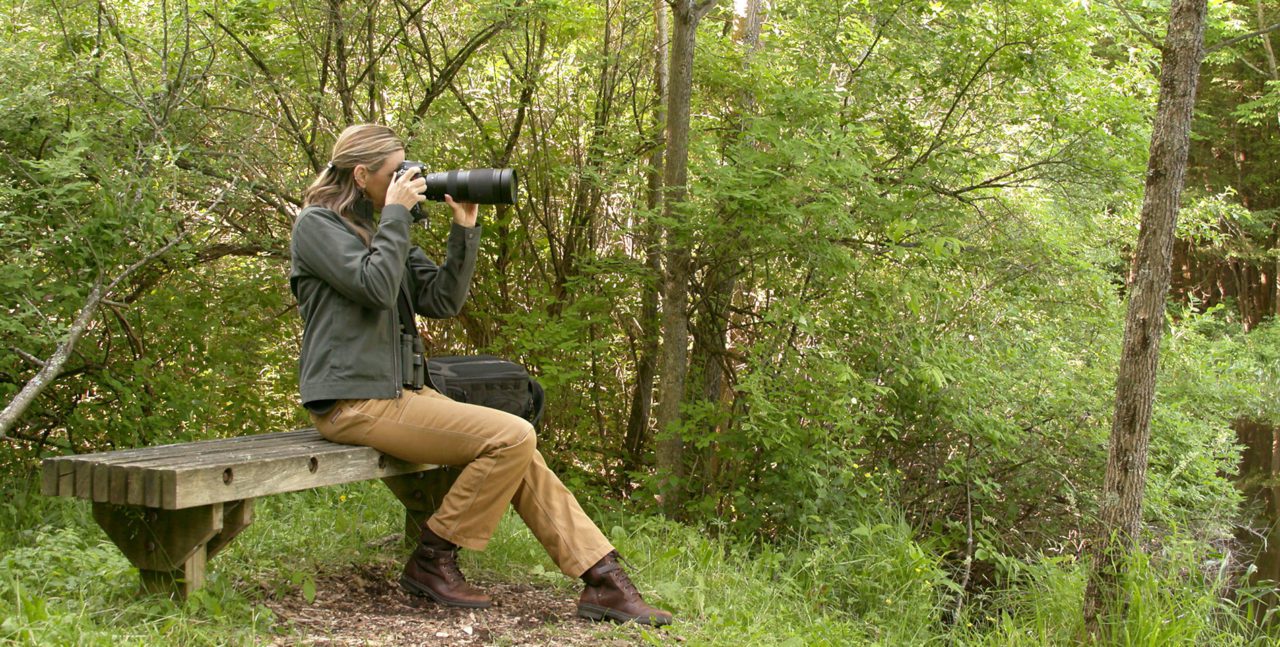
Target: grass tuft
x=63 y=582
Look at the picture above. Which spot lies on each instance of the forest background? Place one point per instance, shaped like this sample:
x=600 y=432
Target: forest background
x=897 y=281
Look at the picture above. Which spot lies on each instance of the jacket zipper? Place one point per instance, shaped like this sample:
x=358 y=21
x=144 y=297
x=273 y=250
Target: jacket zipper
x=397 y=374
x=397 y=335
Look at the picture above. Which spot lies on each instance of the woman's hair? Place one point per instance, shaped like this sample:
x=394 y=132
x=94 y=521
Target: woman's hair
x=335 y=188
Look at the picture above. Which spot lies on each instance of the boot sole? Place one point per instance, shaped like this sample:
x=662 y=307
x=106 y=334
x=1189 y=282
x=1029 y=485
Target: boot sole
x=413 y=588
x=598 y=613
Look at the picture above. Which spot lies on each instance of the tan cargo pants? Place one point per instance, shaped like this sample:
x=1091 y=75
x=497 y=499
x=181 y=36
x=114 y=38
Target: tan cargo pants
x=500 y=464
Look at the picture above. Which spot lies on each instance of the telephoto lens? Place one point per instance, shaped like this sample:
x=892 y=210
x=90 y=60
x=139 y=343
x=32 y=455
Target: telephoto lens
x=481 y=185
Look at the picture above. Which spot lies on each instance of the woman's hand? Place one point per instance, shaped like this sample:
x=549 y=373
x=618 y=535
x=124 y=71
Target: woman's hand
x=464 y=213
x=408 y=189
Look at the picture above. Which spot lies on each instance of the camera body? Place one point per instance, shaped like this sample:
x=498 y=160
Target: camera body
x=481 y=186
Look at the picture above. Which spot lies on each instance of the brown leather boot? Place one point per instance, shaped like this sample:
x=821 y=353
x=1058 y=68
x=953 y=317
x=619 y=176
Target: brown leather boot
x=432 y=571
x=610 y=594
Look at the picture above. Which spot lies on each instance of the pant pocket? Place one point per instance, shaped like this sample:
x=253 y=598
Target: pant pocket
x=342 y=424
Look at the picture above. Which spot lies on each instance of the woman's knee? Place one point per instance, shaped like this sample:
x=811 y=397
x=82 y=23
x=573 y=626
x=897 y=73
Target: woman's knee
x=518 y=439
x=527 y=439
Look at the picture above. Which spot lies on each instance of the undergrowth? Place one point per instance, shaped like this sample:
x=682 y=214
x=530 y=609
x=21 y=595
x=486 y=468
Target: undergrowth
x=62 y=582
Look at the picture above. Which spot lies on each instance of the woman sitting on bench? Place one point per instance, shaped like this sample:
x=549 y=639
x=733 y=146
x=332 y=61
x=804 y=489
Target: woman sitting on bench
x=348 y=274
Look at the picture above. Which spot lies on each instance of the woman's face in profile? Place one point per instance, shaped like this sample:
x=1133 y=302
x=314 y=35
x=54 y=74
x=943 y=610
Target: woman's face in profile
x=378 y=178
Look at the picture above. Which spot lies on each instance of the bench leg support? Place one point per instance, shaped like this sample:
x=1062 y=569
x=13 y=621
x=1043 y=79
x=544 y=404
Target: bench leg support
x=421 y=494
x=172 y=547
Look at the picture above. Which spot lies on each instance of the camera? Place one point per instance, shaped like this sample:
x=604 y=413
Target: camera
x=481 y=185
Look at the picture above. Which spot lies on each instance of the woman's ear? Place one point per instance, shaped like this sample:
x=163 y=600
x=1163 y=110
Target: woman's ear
x=361 y=173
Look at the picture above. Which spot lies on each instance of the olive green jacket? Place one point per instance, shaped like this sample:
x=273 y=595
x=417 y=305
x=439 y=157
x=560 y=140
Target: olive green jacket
x=347 y=298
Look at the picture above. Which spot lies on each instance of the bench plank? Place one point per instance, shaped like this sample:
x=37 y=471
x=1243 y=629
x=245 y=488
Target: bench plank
x=83 y=480
x=51 y=475
x=212 y=444
x=171 y=508
x=184 y=475
x=222 y=470
x=84 y=483
x=221 y=460
x=135 y=474
x=200 y=485
x=81 y=473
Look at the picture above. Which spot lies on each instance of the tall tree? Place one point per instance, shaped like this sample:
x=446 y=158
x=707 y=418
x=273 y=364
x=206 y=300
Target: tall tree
x=648 y=333
x=1125 y=481
x=720 y=265
x=674 y=358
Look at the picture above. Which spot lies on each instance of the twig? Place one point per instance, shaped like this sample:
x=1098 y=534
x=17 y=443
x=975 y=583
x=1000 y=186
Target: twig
x=297 y=131
x=968 y=550
x=28 y=356
x=1146 y=35
x=1232 y=41
x=53 y=366
x=880 y=30
x=43 y=441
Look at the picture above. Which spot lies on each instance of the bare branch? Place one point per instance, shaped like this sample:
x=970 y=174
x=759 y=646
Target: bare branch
x=298 y=133
x=135 y=84
x=51 y=368
x=702 y=8
x=28 y=356
x=265 y=192
x=455 y=64
x=391 y=42
x=1238 y=39
x=1266 y=41
x=150 y=258
x=938 y=138
x=881 y=27
x=1146 y=35
x=43 y=441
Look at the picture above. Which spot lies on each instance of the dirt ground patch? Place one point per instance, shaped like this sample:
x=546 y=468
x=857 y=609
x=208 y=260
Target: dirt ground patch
x=366 y=607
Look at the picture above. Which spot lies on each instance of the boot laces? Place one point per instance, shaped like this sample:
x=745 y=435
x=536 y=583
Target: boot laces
x=619 y=577
x=447 y=563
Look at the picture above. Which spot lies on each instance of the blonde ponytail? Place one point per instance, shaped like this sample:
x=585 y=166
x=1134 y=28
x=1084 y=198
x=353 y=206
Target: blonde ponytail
x=335 y=187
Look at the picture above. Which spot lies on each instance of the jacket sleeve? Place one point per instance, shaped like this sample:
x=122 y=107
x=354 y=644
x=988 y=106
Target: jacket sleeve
x=330 y=251
x=440 y=291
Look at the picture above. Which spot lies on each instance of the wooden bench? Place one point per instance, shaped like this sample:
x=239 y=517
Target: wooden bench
x=171 y=508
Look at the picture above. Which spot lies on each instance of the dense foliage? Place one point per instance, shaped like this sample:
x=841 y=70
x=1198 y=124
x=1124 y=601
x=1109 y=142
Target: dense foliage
x=910 y=224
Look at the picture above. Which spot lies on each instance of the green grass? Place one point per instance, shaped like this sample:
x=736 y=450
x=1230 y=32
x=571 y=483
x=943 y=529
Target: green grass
x=1175 y=596
x=63 y=583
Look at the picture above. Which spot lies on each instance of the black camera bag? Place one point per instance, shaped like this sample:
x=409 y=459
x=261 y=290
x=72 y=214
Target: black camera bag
x=489 y=382
x=483 y=380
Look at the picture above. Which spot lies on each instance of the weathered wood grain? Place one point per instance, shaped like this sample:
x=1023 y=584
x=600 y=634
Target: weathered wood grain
x=133 y=476
x=200 y=485
x=185 y=475
x=82 y=484
x=171 y=508
x=51 y=473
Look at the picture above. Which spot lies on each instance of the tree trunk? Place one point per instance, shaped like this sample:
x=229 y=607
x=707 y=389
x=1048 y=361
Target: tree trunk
x=748 y=20
x=647 y=354
x=1211 y=273
x=1257 y=481
x=723 y=266
x=1121 y=505
x=673 y=360
x=580 y=228
x=340 y=74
